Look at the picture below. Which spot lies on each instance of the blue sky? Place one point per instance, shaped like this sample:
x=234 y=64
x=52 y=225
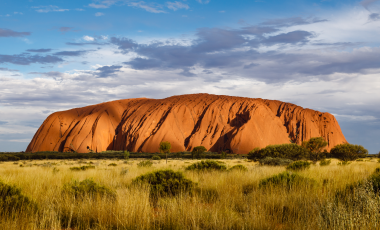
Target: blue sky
x=57 y=55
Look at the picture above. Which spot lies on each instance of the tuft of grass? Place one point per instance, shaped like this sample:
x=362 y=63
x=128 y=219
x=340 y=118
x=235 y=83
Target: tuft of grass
x=146 y=163
x=82 y=168
x=156 y=158
x=344 y=163
x=112 y=164
x=12 y=199
x=298 y=165
x=275 y=161
x=241 y=168
x=87 y=188
x=165 y=183
x=207 y=166
x=324 y=162
x=287 y=180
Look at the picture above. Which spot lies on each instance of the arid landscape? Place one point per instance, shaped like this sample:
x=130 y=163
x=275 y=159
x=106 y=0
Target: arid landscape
x=224 y=199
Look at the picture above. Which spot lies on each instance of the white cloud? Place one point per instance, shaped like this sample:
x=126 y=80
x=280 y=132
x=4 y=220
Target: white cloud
x=98 y=6
x=177 y=5
x=98 y=14
x=203 y=1
x=50 y=8
x=88 y=38
x=149 y=8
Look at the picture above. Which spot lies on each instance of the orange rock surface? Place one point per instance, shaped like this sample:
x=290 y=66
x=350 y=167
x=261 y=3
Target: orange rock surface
x=217 y=122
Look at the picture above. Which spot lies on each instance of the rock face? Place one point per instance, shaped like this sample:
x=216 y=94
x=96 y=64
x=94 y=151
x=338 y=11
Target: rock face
x=217 y=122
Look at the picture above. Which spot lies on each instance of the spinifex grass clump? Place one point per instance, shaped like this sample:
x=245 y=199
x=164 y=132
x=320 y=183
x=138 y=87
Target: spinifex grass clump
x=298 y=165
x=147 y=163
x=238 y=168
x=207 y=165
x=165 y=183
x=156 y=158
x=112 y=164
x=11 y=199
x=287 y=180
x=275 y=161
x=357 y=205
x=82 y=168
x=324 y=162
x=87 y=187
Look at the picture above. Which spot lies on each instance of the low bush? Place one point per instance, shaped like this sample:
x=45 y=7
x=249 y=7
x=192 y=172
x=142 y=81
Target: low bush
x=286 y=179
x=349 y=152
x=344 y=163
x=82 y=168
x=165 y=183
x=12 y=199
x=207 y=165
x=298 y=165
x=147 y=163
x=238 y=168
x=87 y=187
x=112 y=164
x=324 y=162
x=156 y=158
x=288 y=151
x=275 y=161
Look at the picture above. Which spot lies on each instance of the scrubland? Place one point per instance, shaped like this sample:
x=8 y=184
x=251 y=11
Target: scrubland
x=235 y=199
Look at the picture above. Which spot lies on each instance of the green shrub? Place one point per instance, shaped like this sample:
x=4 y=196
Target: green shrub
x=147 y=163
x=275 y=161
x=197 y=152
x=287 y=180
x=112 y=164
x=344 y=163
x=87 y=187
x=155 y=157
x=239 y=168
x=298 y=165
x=349 y=152
x=126 y=155
x=165 y=183
x=12 y=199
x=207 y=195
x=289 y=151
x=82 y=168
x=324 y=162
x=207 y=165
x=315 y=146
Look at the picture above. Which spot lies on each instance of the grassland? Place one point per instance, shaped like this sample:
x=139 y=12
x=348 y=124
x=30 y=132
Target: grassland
x=232 y=207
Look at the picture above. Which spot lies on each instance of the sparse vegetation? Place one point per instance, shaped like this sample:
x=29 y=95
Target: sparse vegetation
x=82 y=168
x=298 y=165
x=207 y=165
x=156 y=158
x=266 y=197
x=288 y=151
x=239 y=168
x=325 y=162
x=12 y=200
x=197 y=152
x=275 y=161
x=147 y=163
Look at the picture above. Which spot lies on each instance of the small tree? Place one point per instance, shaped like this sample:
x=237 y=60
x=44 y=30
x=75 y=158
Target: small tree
x=197 y=151
x=315 y=146
x=126 y=155
x=349 y=152
x=165 y=147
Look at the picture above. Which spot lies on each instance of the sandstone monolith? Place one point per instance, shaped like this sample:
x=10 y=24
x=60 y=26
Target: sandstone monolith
x=237 y=124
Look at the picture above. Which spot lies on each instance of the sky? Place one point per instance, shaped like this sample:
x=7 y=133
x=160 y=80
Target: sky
x=61 y=54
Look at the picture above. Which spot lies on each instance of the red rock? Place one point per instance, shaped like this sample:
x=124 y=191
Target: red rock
x=216 y=122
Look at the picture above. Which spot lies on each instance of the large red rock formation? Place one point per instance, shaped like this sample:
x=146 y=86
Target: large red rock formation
x=217 y=122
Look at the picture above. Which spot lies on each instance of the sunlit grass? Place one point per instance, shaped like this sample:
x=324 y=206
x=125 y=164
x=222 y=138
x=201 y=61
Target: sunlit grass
x=270 y=208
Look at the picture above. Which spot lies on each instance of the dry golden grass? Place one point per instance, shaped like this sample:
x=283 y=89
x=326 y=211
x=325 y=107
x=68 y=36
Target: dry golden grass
x=272 y=208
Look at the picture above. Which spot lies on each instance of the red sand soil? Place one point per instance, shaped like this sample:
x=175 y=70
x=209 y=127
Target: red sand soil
x=217 y=122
